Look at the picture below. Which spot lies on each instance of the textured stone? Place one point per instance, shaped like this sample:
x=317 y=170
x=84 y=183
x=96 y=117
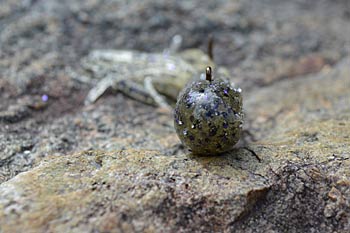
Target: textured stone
x=291 y=59
x=302 y=169
x=132 y=190
x=42 y=42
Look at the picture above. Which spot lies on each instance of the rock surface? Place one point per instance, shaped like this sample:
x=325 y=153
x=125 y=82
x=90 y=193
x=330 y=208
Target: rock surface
x=302 y=169
x=119 y=166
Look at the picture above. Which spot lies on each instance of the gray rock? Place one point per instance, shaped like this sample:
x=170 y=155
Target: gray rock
x=291 y=60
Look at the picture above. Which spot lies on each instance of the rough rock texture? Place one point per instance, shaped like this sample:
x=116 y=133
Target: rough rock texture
x=290 y=173
x=131 y=190
x=299 y=180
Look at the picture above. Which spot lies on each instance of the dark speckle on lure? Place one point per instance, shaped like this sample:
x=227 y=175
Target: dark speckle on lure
x=209 y=116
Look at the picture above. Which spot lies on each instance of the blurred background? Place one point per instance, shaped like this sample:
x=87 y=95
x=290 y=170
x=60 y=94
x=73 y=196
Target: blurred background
x=289 y=173
x=260 y=42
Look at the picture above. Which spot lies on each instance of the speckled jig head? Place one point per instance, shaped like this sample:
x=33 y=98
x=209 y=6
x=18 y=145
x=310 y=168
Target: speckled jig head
x=209 y=116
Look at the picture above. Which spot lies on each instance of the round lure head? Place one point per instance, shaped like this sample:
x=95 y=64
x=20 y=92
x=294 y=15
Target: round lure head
x=209 y=116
